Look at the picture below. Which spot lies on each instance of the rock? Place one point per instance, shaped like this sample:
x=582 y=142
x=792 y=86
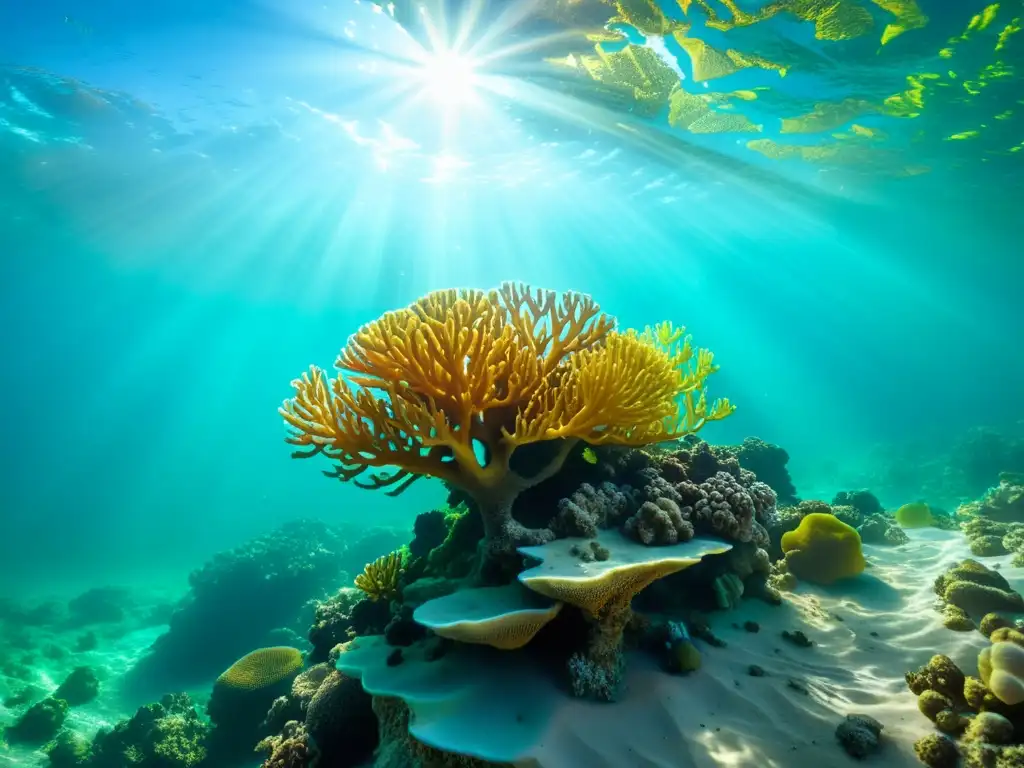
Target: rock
x=860 y=735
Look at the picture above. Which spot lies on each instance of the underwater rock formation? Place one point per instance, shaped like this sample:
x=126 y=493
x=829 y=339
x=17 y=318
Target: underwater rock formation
x=326 y=715
x=266 y=583
x=1003 y=503
x=980 y=719
x=859 y=735
x=970 y=591
x=169 y=734
x=80 y=687
x=768 y=462
x=40 y=722
x=334 y=619
x=989 y=538
x=863 y=500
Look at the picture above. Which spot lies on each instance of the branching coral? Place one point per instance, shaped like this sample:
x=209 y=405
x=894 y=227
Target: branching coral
x=380 y=578
x=452 y=385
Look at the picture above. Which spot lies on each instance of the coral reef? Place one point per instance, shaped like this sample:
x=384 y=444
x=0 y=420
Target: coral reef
x=768 y=462
x=380 y=579
x=603 y=591
x=100 y=605
x=293 y=748
x=980 y=719
x=1003 y=503
x=267 y=582
x=169 y=734
x=949 y=474
x=461 y=373
x=989 y=538
x=874 y=527
x=970 y=591
x=505 y=617
x=244 y=694
x=333 y=622
x=863 y=500
x=429 y=532
x=40 y=722
x=68 y=750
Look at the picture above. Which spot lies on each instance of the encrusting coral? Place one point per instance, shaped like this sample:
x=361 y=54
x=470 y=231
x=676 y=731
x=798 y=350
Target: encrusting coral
x=455 y=384
x=505 y=617
x=603 y=590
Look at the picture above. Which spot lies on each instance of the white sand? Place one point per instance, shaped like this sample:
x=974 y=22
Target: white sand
x=729 y=718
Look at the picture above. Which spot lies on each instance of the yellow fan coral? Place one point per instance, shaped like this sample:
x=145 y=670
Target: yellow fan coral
x=379 y=579
x=452 y=385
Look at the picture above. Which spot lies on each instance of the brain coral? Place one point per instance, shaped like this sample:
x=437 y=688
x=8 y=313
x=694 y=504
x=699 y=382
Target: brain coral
x=262 y=668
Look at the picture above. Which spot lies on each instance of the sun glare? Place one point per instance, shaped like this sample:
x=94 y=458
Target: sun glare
x=448 y=78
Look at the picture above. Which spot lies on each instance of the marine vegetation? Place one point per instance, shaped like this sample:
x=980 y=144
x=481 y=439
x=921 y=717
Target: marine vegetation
x=379 y=579
x=457 y=383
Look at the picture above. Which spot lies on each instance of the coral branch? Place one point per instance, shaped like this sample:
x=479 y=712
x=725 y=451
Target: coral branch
x=450 y=386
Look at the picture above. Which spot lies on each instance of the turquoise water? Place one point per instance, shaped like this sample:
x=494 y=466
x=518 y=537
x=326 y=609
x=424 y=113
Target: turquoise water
x=200 y=200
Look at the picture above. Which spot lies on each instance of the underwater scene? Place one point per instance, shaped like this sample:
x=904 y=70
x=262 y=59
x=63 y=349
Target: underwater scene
x=512 y=384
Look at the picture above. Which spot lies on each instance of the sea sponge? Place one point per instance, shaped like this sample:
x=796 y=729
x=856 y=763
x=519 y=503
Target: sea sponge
x=379 y=579
x=502 y=617
x=823 y=549
x=459 y=373
x=1001 y=666
x=914 y=515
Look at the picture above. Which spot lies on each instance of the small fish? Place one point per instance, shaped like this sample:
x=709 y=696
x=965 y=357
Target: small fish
x=589 y=455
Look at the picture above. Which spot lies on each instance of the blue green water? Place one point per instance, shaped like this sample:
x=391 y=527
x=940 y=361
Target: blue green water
x=198 y=200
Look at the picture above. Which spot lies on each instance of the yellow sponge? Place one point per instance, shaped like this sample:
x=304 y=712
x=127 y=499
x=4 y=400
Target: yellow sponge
x=914 y=515
x=823 y=549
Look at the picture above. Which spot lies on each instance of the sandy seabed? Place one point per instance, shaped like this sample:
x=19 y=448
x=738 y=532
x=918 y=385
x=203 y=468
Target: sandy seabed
x=867 y=632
